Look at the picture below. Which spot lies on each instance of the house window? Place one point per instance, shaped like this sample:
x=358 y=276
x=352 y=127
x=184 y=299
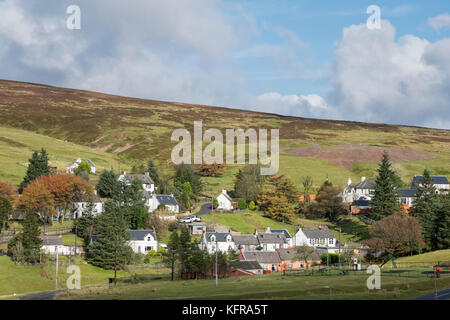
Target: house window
x=149 y=238
x=148 y=248
x=290 y=265
x=265 y=247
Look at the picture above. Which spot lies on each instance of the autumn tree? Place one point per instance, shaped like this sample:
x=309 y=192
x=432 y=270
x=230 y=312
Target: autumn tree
x=36 y=198
x=396 y=234
x=275 y=206
x=210 y=170
x=304 y=253
x=7 y=191
x=38 y=166
x=284 y=187
x=328 y=204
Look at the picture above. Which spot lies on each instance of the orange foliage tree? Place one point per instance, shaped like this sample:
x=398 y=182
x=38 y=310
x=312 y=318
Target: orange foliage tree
x=36 y=198
x=7 y=191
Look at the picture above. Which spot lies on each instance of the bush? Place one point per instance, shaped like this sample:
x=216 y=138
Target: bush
x=161 y=251
x=333 y=258
x=137 y=258
x=149 y=256
x=242 y=204
x=252 y=205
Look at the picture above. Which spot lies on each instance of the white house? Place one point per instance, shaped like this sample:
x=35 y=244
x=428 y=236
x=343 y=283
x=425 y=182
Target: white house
x=354 y=192
x=286 y=234
x=155 y=200
x=314 y=238
x=441 y=183
x=52 y=244
x=407 y=196
x=73 y=166
x=216 y=241
x=142 y=241
x=80 y=207
x=271 y=241
x=224 y=200
x=147 y=182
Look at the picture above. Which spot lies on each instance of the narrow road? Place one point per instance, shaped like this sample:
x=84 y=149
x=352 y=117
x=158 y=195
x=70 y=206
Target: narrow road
x=47 y=295
x=205 y=209
x=441 y=295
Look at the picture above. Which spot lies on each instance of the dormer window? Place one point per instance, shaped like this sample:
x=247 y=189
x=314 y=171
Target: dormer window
x=149 y=238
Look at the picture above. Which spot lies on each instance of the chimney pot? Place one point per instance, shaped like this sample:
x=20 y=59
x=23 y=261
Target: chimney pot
x=363 y=179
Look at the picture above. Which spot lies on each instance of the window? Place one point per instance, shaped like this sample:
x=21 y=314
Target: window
x=149 y=238
x=265 y=247
x=148 y=248
x=290 y=265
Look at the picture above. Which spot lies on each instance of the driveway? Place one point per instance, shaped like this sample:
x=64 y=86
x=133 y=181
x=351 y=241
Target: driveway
x=205 y=209
x=47 y=295
x=441 y=295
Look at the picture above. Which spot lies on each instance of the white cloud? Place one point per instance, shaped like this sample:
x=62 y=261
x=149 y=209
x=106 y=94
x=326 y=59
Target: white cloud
x=440 y=21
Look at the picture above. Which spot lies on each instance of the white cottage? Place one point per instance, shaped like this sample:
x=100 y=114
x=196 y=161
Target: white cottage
x=142 y=241
x=153 y=201
x=441 y=183
x=216 y=241
x=224 y=200
x=147 y=182
x=73 y=166
x=314 y=238
x=353 y=192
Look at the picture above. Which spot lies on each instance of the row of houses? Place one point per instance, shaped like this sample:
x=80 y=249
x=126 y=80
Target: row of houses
x=360 y=194
x=268 y=241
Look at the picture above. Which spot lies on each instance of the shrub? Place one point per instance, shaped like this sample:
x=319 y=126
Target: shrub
x=242 y=204
x=252 y=205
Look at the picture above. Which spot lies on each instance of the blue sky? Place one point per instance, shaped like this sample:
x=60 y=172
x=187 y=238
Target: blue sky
x=304 y=58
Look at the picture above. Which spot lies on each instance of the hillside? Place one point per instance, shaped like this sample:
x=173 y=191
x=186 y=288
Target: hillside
x=106 y=126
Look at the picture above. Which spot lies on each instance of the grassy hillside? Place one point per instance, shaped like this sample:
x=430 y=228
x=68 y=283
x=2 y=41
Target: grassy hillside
x=17 y=146
x=431 y=257
x=136 y=129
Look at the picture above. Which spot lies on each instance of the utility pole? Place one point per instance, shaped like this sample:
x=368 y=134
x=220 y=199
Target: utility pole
x=217 y=281
x=340 y=229
x=56 y=267
x=76 y=235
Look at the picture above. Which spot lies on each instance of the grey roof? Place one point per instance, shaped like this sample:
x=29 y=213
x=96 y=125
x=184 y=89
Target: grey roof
x=284 y=231
x=140 y=234
x=220 y=236
x=168 y=200
x=362 y=203
x=245 y=239
x=407 y=193
x=434 y=179
x=246 y=264
x=318 y=233
x=262 y=256
x=51 y=241
x=366 y=184
x=291 y=254
x=146 y=179
x=89 y=161
x=271 y=238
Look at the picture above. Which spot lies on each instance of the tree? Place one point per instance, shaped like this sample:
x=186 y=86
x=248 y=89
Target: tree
x=83 y=166
x=252 y=205
x=7 y=191
x=304 y=253
x=210 y=170
x=26 y=246
x=396 y=234
x=36 y=198
x=128 y=197
x=284 y=187
x=153 y=221
x=185 y=173
x=38 y=166
x=171 y=256
x=385 y=199
x=107 y=184
x=153 y=172
x=249 y=182
x=441 y=225
x=328 y=203
x=307 y=183
x=6 y=210
x=242 y=204
x=110 y=250
x=85 y=225
x=139 y=219
x=425 y=208
x=215 y=203
x=276 y=207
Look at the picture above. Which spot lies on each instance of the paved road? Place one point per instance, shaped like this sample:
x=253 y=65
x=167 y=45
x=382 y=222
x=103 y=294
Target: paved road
x=47 y=295
x=205 y=209
x=441 y=295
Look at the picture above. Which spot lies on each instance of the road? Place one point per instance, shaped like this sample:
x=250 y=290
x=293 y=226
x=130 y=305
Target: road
x=441 y=295
x=205 y=209
x=47 y=295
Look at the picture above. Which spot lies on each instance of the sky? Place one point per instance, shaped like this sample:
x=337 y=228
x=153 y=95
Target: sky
x=315 y=59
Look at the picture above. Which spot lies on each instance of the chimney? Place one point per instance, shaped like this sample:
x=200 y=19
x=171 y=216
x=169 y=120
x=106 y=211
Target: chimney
x=256 y=231
x=349 y=182
x=124 y=173
x=320 y=227
x=268 y=230
x=363 y=179
x=147 y=174
x=224 y=191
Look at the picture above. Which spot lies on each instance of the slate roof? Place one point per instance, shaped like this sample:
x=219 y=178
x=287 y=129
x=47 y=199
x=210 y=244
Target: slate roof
x=291 y=255
x=227 y=196
x=146 y=179
x=168 y=200
x=318 y=233
x=245 y=239
x=52 y=241
x=366 y=184
x=407 y=193
x=89 y=161
x=434 y=179
x=140 y=234
x=283 y=231
x=246 y=264
x=362 y=203
x=220 y=236
x=271 y=238
x=262 y=256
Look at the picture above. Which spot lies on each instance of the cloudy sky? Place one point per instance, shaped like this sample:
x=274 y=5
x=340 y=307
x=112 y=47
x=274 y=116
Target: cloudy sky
x=312 y=58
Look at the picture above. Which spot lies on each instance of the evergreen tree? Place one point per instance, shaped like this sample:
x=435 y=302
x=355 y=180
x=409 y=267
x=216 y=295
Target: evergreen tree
x=107 y=184
x=139 y=218
x=6 y=210
x=85 y=225
x=185 y=173
x=249 y=182
x=441 y=234
x=424 y=208
x=110 y=250
x=38 y=166
x=129 y=198
x=26 y=246
x=385 y=199
x=153 y=172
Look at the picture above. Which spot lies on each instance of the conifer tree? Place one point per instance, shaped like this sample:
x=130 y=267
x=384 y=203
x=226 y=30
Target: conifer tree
x=38 y=166
x=442 y=223
x=6 y=210
x=153 y=172
x=385 y=198
x=26 y=246
x=107 y=184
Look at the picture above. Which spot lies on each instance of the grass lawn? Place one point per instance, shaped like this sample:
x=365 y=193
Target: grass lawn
x=56 y=226
x=29 y=279
x=271 y=286
x=429 y=257
x=69 y=240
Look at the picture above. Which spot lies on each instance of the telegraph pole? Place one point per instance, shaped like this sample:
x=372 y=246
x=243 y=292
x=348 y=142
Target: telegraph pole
x=56 y=267
x=217 y=281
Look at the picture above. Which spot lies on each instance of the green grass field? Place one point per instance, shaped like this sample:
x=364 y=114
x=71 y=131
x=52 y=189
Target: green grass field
x=429 y=257
x=20 y=279
x=270 y=286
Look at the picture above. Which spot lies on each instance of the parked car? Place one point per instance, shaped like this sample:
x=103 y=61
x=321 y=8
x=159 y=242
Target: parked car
x=186 y=220
x=195 y=219
x=162 y=245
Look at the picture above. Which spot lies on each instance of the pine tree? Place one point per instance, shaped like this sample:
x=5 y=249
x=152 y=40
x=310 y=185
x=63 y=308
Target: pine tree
x=38 y=166
x=110 y=250
x=153 y=172
x=107 y=184
x=26 y=246
x=441 y=239
x=5 y=211
x=385 y=199
x=424 y=208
